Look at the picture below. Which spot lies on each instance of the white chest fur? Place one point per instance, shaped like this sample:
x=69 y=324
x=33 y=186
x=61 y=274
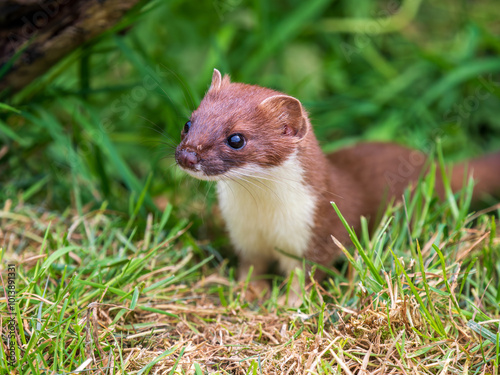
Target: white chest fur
x=268 y=208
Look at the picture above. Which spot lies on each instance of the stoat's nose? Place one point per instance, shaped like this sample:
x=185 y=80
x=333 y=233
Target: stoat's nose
x=187 y=159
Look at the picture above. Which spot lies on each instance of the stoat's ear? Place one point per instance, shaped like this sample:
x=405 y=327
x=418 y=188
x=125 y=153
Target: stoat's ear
x=289 y=114
x=218 y=81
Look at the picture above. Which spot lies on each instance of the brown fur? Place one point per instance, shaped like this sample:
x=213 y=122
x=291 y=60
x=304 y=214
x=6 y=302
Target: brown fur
x=359 y=179
x=228 y=110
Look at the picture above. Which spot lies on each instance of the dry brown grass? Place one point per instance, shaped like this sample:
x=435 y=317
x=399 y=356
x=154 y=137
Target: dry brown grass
x=384 y=333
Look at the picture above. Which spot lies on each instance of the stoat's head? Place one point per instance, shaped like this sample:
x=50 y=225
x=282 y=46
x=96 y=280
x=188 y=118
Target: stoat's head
x=238 y=125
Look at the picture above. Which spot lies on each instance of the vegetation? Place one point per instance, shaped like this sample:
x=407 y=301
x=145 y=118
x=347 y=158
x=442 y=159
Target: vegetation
x=122 y=264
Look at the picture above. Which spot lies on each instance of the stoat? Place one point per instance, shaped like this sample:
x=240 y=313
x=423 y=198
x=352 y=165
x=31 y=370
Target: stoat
x=275 y=185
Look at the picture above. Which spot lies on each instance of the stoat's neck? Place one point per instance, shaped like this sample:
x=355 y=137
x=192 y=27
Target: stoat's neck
x=269 y=208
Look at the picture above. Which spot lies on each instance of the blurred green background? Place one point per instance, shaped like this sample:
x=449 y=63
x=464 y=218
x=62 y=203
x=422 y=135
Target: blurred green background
x=100 y=126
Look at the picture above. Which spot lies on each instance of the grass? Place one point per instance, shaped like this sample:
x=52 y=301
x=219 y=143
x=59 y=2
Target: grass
x=91 y=296
x=121 y=263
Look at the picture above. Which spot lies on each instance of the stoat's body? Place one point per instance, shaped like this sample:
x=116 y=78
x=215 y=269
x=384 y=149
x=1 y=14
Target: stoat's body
x=275 y=185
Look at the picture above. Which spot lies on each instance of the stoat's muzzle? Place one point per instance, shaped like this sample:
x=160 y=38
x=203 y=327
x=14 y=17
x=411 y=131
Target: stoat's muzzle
x=201 y=165
x=187 y=159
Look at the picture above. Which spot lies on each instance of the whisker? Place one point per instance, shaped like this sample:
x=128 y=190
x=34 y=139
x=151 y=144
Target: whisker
x=260 y=173
x=253 y=181
x=259 y=177
x=156 y=128
x=173 y=165
x=249 y=181
x=210 y=185
x=225 y=182
x=156 y=143
x=244 y=187
x=167 y=154
x=186 y=90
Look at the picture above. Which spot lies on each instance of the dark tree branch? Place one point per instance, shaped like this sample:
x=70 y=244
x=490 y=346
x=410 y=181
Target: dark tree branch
x=36 y=34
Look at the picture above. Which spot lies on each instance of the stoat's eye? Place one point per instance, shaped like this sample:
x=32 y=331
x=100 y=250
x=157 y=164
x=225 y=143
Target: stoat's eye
x=236 y=141
x=187 y=126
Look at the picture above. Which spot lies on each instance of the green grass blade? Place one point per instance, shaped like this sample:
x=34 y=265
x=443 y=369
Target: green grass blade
x=374 y=272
